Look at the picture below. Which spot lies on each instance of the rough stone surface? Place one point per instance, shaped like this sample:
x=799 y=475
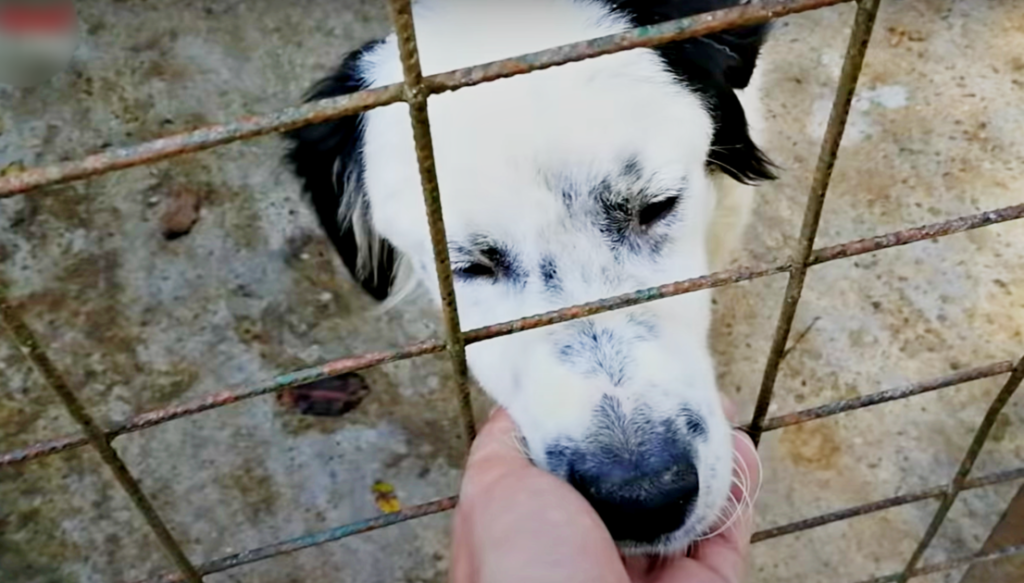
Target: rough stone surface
x=138 y=321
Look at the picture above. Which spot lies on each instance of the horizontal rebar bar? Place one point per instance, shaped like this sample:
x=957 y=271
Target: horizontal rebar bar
x=751 y=13
x=911 y=390
x=254 y=126
x=445 y=504
x=313 y=540
x=879 y=505
x=360 y=362
x=160 y=416
x=227 y=397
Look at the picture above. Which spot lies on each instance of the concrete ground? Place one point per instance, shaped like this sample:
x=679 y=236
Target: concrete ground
x=136 y=321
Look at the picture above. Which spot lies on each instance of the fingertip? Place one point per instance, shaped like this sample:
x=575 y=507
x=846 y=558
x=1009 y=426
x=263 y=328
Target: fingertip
x=498 y=423
x=497 y=438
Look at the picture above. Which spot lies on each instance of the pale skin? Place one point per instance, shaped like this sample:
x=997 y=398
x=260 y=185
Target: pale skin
x=516 y=523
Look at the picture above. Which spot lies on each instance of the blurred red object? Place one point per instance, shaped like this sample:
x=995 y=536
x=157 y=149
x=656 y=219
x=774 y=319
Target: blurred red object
x=19 y=17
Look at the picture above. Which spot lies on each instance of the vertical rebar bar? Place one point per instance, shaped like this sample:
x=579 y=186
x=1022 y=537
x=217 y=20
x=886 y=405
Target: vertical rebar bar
x=33 y=351
x=957 y=485
x=416 y=96
x=860 y=37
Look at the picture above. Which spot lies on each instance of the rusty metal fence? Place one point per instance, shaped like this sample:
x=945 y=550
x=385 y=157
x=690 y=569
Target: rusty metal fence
x=415 y=91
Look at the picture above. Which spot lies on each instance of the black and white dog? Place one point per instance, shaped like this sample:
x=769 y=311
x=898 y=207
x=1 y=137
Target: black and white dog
x=561 y=187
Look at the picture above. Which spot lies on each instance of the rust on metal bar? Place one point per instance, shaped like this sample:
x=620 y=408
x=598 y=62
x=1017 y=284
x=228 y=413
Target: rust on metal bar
x=204 y=138
x=957 y=485
x=645 y=37
x=356 y=363
x=315 y=539
x=226 y=397
x=43 y=449
x=917 y=234
x=445 y=504
x=973 y=559
x=715 y=280
x=879 y=505
x=291 y=118
x=887 y=396
x=846 y=513
x=860 y=36
x=416 y=97
x=994 y=478
x=741 y=274
x=29 y=345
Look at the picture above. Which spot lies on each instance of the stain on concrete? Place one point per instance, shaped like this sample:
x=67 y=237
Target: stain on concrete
x=812 y=445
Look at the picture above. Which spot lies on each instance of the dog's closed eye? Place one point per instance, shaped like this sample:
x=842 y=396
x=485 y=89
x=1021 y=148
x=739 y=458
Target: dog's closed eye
x=483 y=259
x=475 y=270
x=657 y=210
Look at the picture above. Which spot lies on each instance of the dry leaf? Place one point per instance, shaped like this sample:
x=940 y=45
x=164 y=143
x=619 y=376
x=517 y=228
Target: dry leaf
x=384 y=496
x=12 y=168
x=181 y=213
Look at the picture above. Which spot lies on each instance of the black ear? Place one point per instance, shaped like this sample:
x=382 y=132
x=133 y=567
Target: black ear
x=327 y=158
x=714 y=66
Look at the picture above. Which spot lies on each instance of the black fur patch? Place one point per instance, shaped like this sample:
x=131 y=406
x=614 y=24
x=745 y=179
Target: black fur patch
x=329 y=153
x=549 y=275
x=480 y=256
x=713 y=66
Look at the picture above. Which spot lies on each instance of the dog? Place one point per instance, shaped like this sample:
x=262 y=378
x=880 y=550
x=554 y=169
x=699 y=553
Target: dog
x=560 y=187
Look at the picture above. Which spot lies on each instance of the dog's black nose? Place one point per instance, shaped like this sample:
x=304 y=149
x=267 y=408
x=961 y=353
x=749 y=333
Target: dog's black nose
x=639 y=498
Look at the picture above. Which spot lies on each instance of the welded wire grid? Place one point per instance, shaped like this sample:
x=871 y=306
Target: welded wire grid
x=415 y=91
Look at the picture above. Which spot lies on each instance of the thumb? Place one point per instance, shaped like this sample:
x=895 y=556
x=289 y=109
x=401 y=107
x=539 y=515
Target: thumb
x=516 y=522
x=496 y=451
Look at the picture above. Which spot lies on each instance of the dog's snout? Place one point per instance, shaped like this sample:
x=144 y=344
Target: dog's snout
x=640 y=498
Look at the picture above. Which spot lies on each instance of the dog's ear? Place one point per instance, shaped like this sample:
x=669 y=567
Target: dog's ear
x=714 y=66
x=327 y=158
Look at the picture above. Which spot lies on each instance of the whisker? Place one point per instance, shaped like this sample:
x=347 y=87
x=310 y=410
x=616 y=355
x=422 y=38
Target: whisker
x=760 y=468
x=744 y=471
x=732 y=519
x=734 y=508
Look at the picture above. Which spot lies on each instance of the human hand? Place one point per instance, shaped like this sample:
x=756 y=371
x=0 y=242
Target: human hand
x=518 y=523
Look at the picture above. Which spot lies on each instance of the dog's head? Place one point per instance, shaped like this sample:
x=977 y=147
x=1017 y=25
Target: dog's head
x=561 y=187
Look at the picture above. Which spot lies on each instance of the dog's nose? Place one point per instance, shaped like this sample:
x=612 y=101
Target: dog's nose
x=639 y=498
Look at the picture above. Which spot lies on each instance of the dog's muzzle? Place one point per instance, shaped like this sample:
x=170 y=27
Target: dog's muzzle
x=640 y=497
x=639 y=474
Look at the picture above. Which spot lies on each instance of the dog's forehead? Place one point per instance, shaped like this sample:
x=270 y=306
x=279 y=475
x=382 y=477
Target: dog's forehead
x=497 y=146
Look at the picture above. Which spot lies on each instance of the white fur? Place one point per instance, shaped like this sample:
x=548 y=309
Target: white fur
x=496 y=146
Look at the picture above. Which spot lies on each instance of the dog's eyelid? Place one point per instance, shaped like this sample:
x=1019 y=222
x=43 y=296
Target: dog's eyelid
x=474 y=269
x=474 y=266
x=656 y=210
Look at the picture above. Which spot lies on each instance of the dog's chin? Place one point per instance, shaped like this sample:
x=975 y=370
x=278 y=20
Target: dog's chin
x=665 y=546
x=668 y=545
